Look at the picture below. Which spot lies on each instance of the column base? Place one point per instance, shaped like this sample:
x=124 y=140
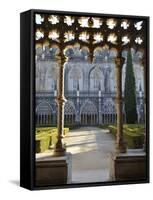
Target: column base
x=59 y=152
x=53 y=170
x=128 y=166
x=59 y=149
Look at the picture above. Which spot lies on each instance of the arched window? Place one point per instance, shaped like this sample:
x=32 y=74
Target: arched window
x=89 y=114
x=88 y=108
x=69 y=113
x=96 y=78
x=75 y=79
x=43 y=113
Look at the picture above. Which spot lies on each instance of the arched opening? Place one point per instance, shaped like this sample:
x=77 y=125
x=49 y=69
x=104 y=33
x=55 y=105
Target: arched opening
x=96 y=79
x=89 y=115
x=44 y=114
x=75 y=79
x=69 y=114
x=109 y=112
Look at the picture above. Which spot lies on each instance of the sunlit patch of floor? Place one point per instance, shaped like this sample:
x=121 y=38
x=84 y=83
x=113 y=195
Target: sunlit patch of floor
x=90 y=148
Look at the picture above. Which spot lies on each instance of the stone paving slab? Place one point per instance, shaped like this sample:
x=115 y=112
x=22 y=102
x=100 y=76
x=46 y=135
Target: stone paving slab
x=90 y=148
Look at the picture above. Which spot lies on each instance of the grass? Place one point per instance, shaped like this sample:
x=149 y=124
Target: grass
x=46 y=137
x=133 y=134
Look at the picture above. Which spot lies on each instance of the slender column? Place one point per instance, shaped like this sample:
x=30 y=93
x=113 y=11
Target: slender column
x=68 y=119
x=45 y=118
x=99 y=107
x=86 y=119
x=41 y=119
x=60 y=148
x=94 y=118
x=144 y=79
x=49 y=119
x=120 y=143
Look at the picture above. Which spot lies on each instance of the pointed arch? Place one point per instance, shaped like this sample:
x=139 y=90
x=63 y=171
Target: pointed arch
x=69 y=113
x=75 y=77
x=89 y=113
x=44 y=113
x=88 y=108
x=95 y=78
x=69 y=108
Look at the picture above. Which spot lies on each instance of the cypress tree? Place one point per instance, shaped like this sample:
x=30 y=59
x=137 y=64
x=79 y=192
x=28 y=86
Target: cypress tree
x=130 y=92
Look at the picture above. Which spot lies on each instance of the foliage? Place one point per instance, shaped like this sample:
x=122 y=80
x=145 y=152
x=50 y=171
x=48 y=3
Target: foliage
x=130 y=92
x=133 y=134
x=46 y=137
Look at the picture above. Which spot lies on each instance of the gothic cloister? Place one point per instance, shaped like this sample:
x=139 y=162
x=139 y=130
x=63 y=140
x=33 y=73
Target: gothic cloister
x=80 y=84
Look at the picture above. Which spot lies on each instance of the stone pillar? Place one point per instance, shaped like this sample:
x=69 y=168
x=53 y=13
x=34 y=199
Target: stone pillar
x=120 y=143
x=60 y=148
x=78 y=117
x=144 y=79
x=99 y=110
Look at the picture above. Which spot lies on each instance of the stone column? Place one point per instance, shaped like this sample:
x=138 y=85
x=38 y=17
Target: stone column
x=99 y=110
x=60 y=147
x=120 y=143
x=144 y=79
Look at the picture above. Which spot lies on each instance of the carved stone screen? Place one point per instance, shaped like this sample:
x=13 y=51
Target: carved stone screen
x=90 y=98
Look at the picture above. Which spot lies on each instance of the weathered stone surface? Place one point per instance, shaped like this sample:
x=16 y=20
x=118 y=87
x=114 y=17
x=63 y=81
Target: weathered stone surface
x=53 y=170
x=128 y=166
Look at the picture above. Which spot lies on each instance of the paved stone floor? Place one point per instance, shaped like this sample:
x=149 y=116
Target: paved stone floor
x=90 y=147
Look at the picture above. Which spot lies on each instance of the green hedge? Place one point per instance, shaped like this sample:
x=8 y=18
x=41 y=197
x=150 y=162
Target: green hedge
x=133 y=134
x=42 y=143
x=46 y=137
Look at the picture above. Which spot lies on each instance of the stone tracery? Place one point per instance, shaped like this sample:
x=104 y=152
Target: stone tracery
x=113 y=33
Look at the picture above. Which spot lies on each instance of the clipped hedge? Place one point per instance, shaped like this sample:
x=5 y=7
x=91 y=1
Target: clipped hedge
x=42 y=143
x=46 y=137
x=133 y=134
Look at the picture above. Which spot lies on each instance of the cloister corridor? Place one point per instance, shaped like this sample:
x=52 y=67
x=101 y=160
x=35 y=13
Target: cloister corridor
x=90 y=148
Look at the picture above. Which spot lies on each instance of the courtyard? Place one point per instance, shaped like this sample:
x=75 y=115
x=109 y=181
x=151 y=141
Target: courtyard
x=90 y=148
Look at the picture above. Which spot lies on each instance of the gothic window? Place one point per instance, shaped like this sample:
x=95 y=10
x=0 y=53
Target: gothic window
x=95 y=77
x=43 y=108
x=69 y=108
x=53 y=85
x=96 y=84
x=43 y=113
x=74 y=84
x=108 y=106
x=88 y=108
x=74 y=78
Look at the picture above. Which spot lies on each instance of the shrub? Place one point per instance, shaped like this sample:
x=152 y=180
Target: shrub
x=133 y=134
x=46 y=137
x=42 y=143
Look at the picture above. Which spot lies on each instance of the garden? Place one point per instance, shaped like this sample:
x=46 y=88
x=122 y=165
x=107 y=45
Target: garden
x=133 y=134
x=46 y=138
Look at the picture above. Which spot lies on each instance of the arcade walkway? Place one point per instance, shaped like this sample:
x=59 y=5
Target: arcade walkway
x=90 y=147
